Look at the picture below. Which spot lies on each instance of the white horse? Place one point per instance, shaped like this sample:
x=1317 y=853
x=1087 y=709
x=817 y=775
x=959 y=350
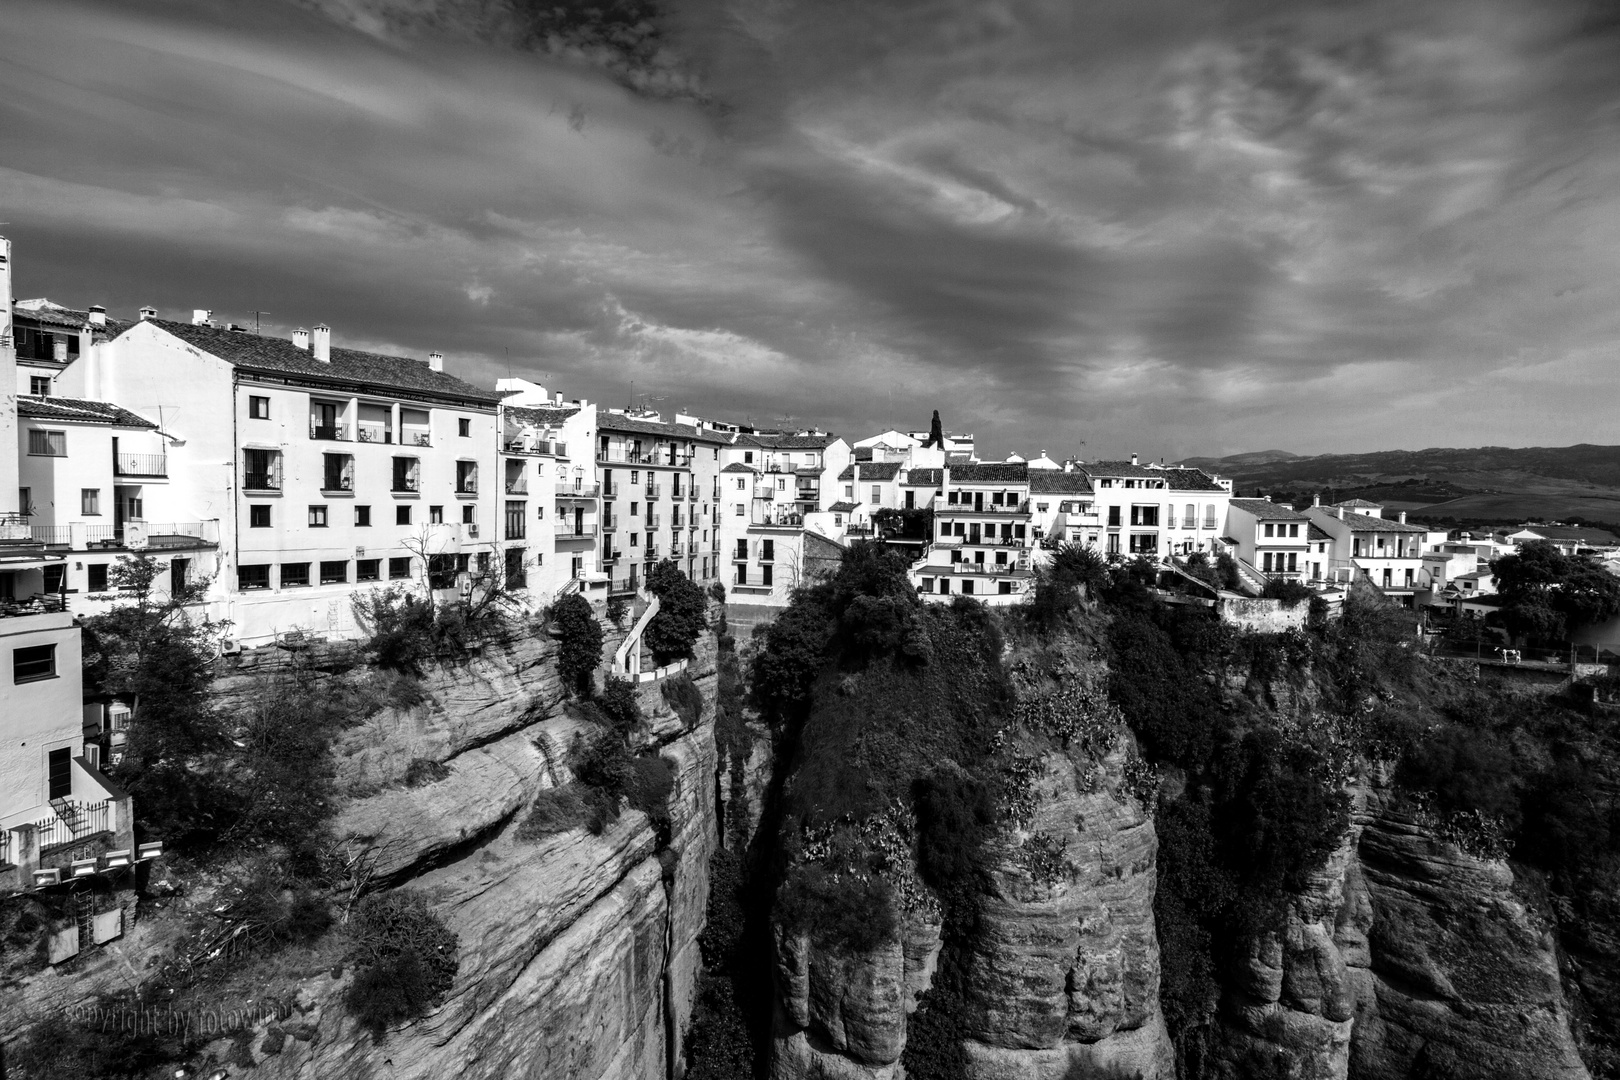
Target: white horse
x=1509 y=656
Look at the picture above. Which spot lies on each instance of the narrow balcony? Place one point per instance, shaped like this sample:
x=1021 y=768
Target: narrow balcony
x=261 y=482
x=567 y=530
x=579 y=491
x=329 y=433
x=154 y=465
x=653 y=491
x=374 y=433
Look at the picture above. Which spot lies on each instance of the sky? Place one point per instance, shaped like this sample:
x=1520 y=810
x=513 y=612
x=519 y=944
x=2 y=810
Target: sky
x=1173 y=229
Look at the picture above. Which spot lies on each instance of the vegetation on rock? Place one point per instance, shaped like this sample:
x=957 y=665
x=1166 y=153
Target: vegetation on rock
x=683 y=613
x=406 y=960
x=579 y=651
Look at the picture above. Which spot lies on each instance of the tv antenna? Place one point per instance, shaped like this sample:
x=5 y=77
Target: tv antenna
x=256 y=324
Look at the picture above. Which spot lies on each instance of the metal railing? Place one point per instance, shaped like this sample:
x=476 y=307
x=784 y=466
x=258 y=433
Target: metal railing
x=548 y=447
x=329 y=433
x=103 y=535
x=987 y=508
x=675 y=549
x=337 y=483
x=74 y=822
x=37 y=605
x=467 y=487
x=515 y=531
x=406 y=483
x=140 y=465
x=622 y=586
x=621 y=456
x=182 y=528
x=653 y=491
x=654 y=522
x=518 y=487
x=569 y=531
x=692 y=494
x=260 y=482
x=374 y=433
x=415 y=438
x=578 y=491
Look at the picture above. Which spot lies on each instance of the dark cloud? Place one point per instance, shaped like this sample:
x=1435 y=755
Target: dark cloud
x=1155 y=226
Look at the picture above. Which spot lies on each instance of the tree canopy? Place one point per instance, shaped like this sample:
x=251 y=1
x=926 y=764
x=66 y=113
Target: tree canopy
x=1547 y=593
x=683 y=613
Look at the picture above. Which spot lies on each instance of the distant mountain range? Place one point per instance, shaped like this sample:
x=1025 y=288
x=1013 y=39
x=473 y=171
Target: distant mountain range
x=1483 y=483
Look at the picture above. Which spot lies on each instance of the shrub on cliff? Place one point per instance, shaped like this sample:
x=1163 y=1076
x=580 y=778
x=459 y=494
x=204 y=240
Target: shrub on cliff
x=1289 y=592
x=683 y=695
x=683 y=613
x=405 y=957
x=620 y=706
x=579 y=651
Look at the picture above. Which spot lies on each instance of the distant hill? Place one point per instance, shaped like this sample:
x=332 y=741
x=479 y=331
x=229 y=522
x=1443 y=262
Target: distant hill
x=1536 y=482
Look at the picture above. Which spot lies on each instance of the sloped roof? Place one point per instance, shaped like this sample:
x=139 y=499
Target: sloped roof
x=540 y=415
x=1185 y=479
x=75 y=409
x=737 y=466
x=64 y=318
x=1047 y=482
x=789 y=442
x=872 y=470
x=1574 y=532
x=1315 y=533
x=843 y=507
x=351 y=367
x=1369 y=524
x=1122 y=468
x=626 y=425
x=993 y=472
x=923 y=477
x=1267 y=510
x=1359 y=504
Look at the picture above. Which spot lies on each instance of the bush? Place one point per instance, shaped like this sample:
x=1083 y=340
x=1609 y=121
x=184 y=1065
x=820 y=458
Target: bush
x=616 y=608
x=1465 y=770
x=399 y=625
x=1291 y=593
x=406 y=959
x=579 y=653
x=560 y=809
x=58 y=1047
x=422 y=771
x=840 y=911
x=274 y=912
x=683 y=695
x=620 y=705
x=652 y=781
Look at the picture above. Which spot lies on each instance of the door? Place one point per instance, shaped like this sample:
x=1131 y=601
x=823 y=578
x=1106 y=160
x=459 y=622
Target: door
x=579 y=520
x=973 y=532
x=177 y=575
x=978 y=500
x=59 y=769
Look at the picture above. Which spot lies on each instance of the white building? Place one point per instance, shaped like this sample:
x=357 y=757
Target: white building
x=1390 y=552
x=776 y=489
x=661 y=497
x=983 y=536
x=1271 y=540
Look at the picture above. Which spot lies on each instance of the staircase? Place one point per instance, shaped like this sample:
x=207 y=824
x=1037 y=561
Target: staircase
x=1252 y=578
x=71 y=815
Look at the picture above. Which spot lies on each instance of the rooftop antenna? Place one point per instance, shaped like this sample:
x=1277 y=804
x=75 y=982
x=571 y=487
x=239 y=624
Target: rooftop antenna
x=508 y=353
x=256 y=326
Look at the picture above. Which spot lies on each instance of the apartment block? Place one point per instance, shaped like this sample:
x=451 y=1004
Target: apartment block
x=554 y=531
x=983 y=535
x=775 y=491
x=660 y=496
x=1390 y=552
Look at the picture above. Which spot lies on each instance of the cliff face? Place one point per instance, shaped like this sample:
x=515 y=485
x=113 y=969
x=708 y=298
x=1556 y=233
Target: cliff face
x=1064 y=968
x=578 y=952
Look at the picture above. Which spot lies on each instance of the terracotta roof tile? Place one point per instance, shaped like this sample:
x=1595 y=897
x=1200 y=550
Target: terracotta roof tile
x=94 y=412
x=1052 y=482
x=1267 y=510
x=995 y=472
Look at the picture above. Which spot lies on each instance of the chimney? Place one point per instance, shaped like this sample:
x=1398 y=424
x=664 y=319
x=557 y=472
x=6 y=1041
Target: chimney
x=1133 y=459
x=559 y=397
x=1316 y=500
x=1402 y=516
x=201 y=317
x=98 y=315
x=320 y=342
x=1340 y=509
x=59 y=351
x=435 y=361
x=148 y=313
x=300 y=339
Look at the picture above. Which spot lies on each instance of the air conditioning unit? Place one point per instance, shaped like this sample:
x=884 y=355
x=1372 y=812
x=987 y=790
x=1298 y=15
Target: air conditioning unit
x=230 y=647
x=472 y=531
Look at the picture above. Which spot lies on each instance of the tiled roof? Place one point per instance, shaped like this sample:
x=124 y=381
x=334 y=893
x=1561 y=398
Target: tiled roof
x=348 y=366
x=1052 y=482
x=789 y=442
x=64 y=318
x=1268 y=510
x=872 y=470
x=1121 y=468
x=1183 y=479
x=843 y=507
x=923 y=477
x=540 y=415
x=1368 y=524
x=1359 y=504
x=996 y=472
x=1315 y=533
x=625 y=425
x=737 y=466
x=94 y=412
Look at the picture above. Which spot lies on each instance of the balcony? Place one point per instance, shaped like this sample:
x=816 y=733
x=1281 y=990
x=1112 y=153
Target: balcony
x=333 y=482
x=51 y=535
x=651 y=554
x=467 y=487
x=676 y=551
x=374 y=433
x=987 y=508
x=618 y=455
x=653 y=491
x=545 y=447
x=654 y=522
x=692 y=495
x=610 y=491
x=415 y=438
x=568 y=531
x=578 y=491
x=515 y=531
x=519 y=486
x=261 y=482
x=334 y=433
x=140 y=465
x=406 y=485
x=763 y=491
x=610 y=525
x=38 y=605
x=627 y=585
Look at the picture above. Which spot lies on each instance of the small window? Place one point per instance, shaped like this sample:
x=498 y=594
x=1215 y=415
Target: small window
x=317 y=517
x=34 y=662
x=294 y=573
x=90 y=501
x=258 y=515
x=39 y=385
x=436 y=515
x=1293 y=530
x=467 y=514
x=249 y=578
x=739 y=510
x=335 y=573
x=258 y=407
x=368 y=570
x=402 y=515
x=47 y=443
x=742 y=548
x=399 y=568
x=1271 y=530
x=464 y=427
x=362 y=516
x=96 y=577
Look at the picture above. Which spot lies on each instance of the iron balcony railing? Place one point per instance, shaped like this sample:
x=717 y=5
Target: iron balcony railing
x=51 y=535
x=653 y=521
x=547 y=447
x=406 y=483
x=36 y=605
x=567 y=530
x=467 y=487
x=329 y=433
x=518 y=487
x=337 y=483
x=416 y=438
x=654 y=491
x=256 y=481
x=578 y=491
x=374 y=433
x=140 y=465
x=515 y=531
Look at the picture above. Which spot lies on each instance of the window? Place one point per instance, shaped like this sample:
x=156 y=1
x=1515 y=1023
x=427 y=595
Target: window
x=741 y=483
x=441 y=571
x=435 y=515
x=967 y=586
x=516 y=520
x=516 y=576
x=402 y=515
x=1293 y=530
x=765 y=574
x=407 y=473
x=249 y=578
x=1271 y=530
x=399 y=568
x=849 y=491
x=368 y=570
x=294 y=573
x=261 y=469
x=1144 y=515
x=742 y=573
x=635 y=539
x=96 y=577
x=90 y=500
x=258 y=515
x=317 y=517
x=1113 y=520
x=1265 y=562
x=1144 y=543
x=1293 y=560
x=335 y=573
x=59 y=773
x=39 y=385
x=466 y=478
x=742 y=548
x=767 y=551
x=467 y=513
x=739 y=509
x=32 y=663
x=47 y=443
x=338 y=472
x=464 y=427
x=748 y=457
x=362 y=516
x=179 y=576
x=877 y=495
x=258 y=407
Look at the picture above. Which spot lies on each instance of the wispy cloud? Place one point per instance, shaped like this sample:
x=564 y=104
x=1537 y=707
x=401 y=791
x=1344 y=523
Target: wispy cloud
x=1159 y=227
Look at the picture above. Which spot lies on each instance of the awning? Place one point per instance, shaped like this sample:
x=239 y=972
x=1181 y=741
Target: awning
x=34 y=562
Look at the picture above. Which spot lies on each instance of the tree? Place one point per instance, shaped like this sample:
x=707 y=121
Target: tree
x=580 y=651
x=936 y=434
x=148 y=652
x=1547 y=593
x=683 y=613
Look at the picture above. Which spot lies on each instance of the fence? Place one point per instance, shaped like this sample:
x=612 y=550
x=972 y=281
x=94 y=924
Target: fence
x=75 y=822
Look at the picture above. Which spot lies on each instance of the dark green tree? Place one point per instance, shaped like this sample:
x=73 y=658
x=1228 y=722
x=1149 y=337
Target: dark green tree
x=1546 y=593
x=683 y=613
x=579 y=651
x=936 y=433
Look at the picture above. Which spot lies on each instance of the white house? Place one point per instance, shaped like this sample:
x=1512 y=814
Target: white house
x=1271 y=539
x=776 y=490
x=1389 y=551
x=982 y=535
